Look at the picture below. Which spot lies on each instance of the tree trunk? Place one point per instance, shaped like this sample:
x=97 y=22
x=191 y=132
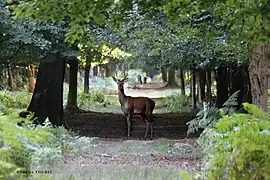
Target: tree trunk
x=31 y=79
x=202 y=82
x=193 y=88
x=208 y=86
x=237 y=81
x=67 y=76
x=164 y=75
x=72 y=92
x=259 y=72
x=222 y=85
x=95 y=70
x=47 y=99
x=171 y=78
x=247 y=94
x=87 y=75
x=182 y=82
x=10 y=80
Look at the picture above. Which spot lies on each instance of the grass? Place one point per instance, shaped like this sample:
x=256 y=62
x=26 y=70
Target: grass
x=132 y=172
x=82 y=169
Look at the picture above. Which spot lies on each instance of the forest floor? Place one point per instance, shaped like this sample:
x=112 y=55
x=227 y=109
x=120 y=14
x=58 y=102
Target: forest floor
x=106 y=158
x=165 y=157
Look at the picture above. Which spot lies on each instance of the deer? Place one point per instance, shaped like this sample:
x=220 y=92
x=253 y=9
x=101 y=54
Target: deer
x=142 y=106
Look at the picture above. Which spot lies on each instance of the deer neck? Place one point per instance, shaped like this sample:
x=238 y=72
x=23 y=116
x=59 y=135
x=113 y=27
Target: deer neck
x=121 y=96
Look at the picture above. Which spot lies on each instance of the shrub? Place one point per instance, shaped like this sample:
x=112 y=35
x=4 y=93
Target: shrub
x=86 y=100
x=238 y=147
x=27 y=148
x=14 y=99
x=177 y=102
x=209 y=115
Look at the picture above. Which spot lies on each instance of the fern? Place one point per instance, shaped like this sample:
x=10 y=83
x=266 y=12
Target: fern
x=241 y=146
x=231 y=106
x=209 y=115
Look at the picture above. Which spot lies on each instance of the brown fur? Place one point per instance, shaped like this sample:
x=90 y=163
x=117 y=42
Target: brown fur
x=142 y=106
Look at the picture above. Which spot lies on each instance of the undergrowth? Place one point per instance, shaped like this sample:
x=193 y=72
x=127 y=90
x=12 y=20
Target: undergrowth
x=177 y=102
x=93 y=98
x=241 y=146
x=235 y=141
x=16 y=100
x=27 y=149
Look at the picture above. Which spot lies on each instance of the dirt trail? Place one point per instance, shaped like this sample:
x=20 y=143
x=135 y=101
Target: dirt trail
x=171 y=155
x=151 y=90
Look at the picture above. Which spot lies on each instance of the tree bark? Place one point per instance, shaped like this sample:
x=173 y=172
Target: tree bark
x=222 y=85
x=171 y=78
x=202 y=82
x=247 y=93
x=95 y=70
x=72 y=93
x=208 y=86
x=10 y=80
x=164 y=75
x=67 y=76
x=237 y=81
x=47 y=99
x=31 y=79
x=182 y=82
x=87 y=75
x=259 y=72
x=193 y=88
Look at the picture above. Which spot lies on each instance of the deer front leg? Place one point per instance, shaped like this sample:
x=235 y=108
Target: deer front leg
x=129 y=124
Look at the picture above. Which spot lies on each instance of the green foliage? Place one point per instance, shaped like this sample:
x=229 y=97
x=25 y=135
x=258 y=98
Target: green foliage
x=207 y=117
x=28 y=148
x=210 y=115
x=14 y=99
x=92 y=98
x=241 y=146
x=231 y=105
x=177 y=102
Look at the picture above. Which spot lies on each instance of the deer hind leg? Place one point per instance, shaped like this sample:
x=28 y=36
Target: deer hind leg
x=144 y=118
x=147 y=129
x=151 y=128
x=150 y=123
x=129 y=118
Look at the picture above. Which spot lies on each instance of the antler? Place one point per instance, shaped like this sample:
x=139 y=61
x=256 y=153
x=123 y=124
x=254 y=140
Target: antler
x=125 y=78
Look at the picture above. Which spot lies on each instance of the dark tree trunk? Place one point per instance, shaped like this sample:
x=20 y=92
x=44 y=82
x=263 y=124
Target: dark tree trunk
x=222 y=85
x=193 y=88
x=259 y=72
x=95 y=70
x=208 y=86
x=87 y=75
x=72 y=93
x=112 y=70
x=47 y=99
x=164 y=75
x=182 y=82
x=171 y=78
x=247 y=93
x=10 y=80
x=107 y=70
x=67 y=76
x=202 y=82
x=237 y=81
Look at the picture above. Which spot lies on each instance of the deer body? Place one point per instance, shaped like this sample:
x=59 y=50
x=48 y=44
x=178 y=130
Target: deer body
x=141 y=106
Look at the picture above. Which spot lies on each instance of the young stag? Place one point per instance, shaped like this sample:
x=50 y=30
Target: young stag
x=142 y=106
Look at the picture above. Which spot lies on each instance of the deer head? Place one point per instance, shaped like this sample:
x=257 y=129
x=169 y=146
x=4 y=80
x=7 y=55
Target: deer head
x=120 y=83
